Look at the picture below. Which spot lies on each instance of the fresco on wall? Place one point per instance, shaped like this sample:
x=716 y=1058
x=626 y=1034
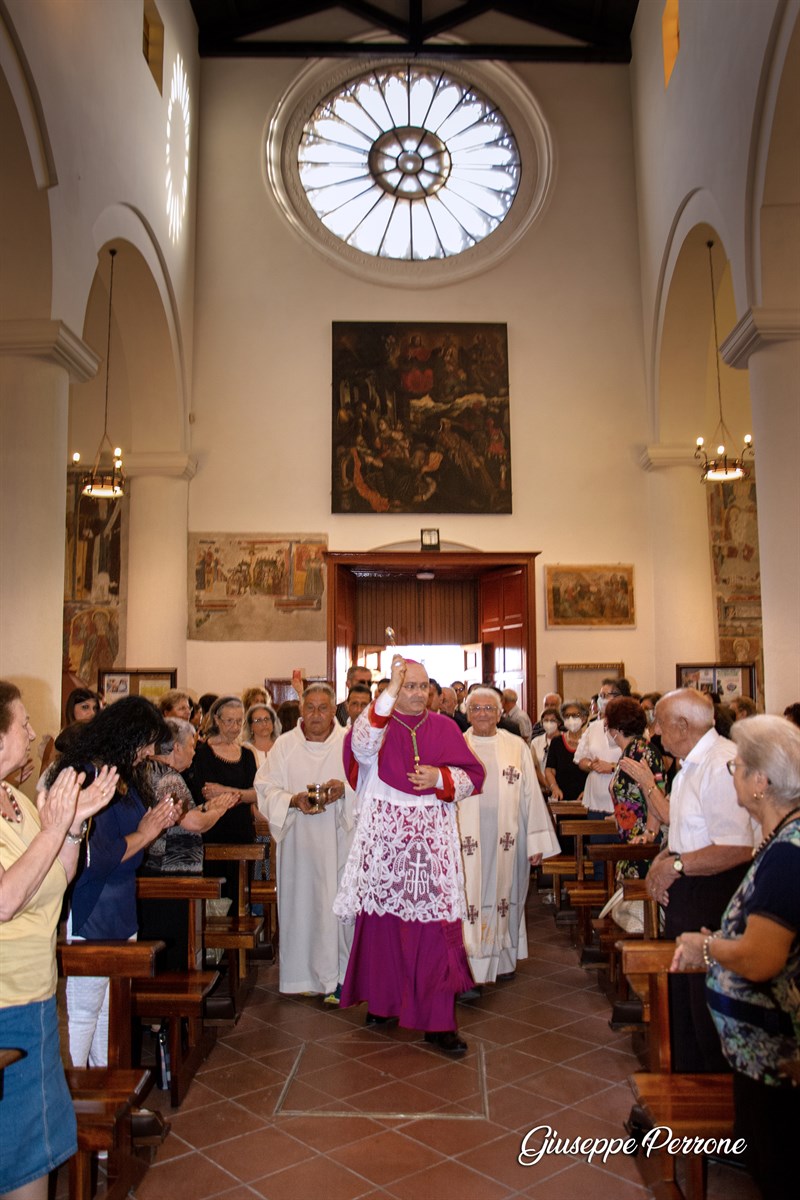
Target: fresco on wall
x=733 y=533
x=257 y=587
x=94 y=592
x=420 y=418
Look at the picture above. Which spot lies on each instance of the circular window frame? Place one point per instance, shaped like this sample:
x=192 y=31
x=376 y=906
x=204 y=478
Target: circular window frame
x=520 y=110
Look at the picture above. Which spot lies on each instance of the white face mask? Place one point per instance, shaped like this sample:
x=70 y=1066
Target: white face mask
x=602 y=701
x=573 y=724
x=550 y=726
x=650 y=713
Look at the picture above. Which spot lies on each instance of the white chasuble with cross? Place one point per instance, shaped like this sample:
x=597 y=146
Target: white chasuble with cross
x=500 y=830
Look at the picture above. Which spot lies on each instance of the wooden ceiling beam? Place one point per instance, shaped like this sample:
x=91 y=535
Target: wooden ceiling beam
x=224 y=47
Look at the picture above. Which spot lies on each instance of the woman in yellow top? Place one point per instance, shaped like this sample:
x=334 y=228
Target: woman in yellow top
x=38 y=856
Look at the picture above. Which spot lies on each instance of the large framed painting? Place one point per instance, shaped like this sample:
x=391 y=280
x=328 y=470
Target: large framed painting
x=581 y=596
x=256 y=587
x=420 y=418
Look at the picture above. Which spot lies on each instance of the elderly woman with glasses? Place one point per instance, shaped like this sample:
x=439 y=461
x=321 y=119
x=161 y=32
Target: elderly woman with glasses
x=753 y=959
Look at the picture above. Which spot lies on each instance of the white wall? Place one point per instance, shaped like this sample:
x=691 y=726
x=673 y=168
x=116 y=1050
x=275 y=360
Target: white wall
x=569 y=295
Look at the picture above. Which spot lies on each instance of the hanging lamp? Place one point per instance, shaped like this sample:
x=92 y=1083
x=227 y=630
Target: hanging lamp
x=724 y=468
x=106 y=478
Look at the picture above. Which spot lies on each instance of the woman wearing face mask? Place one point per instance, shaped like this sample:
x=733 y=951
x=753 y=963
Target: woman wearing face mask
x=564 y=777
x=552 y=724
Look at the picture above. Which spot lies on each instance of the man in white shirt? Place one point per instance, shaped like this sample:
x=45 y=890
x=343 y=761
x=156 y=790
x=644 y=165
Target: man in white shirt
x=711 y=843
x=313 y=841
x=598 y=756
x=515 y=714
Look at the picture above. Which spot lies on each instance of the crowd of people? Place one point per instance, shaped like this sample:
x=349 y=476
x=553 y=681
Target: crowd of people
x=406 y=821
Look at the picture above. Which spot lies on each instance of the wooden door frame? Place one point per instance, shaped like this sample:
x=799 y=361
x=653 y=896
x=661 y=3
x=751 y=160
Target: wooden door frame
x=466 y=564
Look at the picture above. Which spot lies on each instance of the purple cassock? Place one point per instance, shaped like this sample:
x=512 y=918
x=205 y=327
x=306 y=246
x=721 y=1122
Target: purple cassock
x=403 y=884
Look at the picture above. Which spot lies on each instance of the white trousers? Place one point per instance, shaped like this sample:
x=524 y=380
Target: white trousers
x=87 y=1016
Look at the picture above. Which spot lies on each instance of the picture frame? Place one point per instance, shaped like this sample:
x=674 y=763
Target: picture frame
x=580 y=681
x=421 y=418
x=113 y=683
x=590 y=596
x=727 y=679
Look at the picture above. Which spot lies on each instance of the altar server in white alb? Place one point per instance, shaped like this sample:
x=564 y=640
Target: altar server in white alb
x=505 y=830
x=312 y=846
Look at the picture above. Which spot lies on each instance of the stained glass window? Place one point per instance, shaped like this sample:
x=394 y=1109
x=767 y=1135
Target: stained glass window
x=409 y=163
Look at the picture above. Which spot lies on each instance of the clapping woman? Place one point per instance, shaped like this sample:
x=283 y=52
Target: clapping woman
x=39 y=847
x=753 y=960
x=104 y=898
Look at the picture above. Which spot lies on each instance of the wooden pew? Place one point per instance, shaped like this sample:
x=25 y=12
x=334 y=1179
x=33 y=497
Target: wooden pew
x=586 y=893
x=692 y=1106
x=237 y=933
x=606 y=929
x=179 y=996
x=104 y=1097
x=561 y=866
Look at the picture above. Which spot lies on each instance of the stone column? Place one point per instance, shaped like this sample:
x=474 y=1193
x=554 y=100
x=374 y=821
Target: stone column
x=158 y=486
x=767 y=341
x=38 y=359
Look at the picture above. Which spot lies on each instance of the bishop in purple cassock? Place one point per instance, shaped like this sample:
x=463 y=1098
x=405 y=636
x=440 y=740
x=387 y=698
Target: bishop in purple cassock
x=403 y=883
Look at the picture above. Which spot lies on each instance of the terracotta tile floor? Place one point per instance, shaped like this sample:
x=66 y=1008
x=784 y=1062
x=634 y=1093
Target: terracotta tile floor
x=548 y=1057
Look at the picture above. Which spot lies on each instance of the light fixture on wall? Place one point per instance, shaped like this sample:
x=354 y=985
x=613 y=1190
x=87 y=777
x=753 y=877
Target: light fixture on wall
x=724 y=468
x=106 y=477
x=429 y=539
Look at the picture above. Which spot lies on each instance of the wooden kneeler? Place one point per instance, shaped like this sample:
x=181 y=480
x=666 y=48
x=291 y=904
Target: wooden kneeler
x=691 y=1105
x=237 y=933
x=105 y=1097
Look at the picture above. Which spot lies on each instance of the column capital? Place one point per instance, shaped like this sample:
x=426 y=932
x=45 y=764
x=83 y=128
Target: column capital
x=52 y=341
x=759 y=327
x=657 y=456
x=163 y=463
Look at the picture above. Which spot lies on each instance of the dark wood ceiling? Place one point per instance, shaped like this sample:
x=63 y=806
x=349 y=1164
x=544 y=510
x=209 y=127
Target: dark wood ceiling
x=514 y=30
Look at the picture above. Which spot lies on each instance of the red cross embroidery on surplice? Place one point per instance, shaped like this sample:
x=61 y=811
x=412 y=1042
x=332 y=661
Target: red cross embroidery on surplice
x=507 y=841
x=502 y=907
x=469 y=845
x=472 y=914
x=511 y=775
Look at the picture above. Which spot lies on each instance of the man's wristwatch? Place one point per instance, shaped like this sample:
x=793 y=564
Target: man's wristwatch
x=77 y=838
x=677 y=863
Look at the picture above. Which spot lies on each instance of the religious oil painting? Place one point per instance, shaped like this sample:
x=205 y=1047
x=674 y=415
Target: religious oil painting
x=255 y=587
x=420 y=418
x=94 y=582
x=592 y=595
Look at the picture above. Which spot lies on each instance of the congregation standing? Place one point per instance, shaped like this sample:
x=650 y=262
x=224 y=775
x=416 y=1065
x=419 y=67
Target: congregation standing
x=406 y=822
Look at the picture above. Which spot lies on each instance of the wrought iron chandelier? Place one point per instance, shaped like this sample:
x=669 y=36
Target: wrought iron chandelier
x=724 y=468
x=106 y=478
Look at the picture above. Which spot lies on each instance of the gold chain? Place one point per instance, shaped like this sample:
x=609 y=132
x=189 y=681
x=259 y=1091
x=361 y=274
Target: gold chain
x=413 y=733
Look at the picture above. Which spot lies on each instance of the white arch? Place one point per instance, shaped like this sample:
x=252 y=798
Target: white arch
x=699 y=207
x=786 y=19
x=124 y=221
x=19 y=78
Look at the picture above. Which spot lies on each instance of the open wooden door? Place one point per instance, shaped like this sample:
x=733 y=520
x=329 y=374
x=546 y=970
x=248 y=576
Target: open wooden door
x=508 y=630
x=506 y=608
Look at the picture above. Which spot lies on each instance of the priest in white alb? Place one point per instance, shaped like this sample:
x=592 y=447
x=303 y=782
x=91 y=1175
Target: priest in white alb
x=504 y=830
x=312 y=839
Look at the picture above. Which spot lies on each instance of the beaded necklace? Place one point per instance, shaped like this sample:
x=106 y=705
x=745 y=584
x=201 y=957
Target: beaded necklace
x=17 y=817
x=413 y=733
x=771 y=836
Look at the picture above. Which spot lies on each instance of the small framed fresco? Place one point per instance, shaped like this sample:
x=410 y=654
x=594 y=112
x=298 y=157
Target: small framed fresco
x=420 y=418
x=589 y=596
x=723 y=679
x=581 y=681
x=150 y=682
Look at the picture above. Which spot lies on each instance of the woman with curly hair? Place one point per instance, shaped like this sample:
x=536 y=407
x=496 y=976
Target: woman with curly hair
x=636 y=809
x=104 y=899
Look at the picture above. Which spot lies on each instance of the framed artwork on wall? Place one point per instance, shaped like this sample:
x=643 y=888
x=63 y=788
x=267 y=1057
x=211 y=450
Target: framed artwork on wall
x=579 y=681
x=420 y=418
x=589 y=596
x=725 y=679
x=150 y=682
